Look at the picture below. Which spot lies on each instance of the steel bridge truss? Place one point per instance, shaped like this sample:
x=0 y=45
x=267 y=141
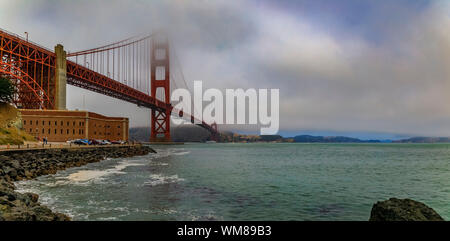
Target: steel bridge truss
x=135 y=70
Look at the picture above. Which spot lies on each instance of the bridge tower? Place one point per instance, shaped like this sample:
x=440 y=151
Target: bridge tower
x=160 y=80
x=215 y=136
x=60 y=78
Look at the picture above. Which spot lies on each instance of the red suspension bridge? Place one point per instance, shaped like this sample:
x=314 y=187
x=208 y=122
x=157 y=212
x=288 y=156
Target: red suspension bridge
x=136 y=70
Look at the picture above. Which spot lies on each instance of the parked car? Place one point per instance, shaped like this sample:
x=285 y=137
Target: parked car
x=105 y=142
x=83 y=142
x=95 y=142
x=118 y=142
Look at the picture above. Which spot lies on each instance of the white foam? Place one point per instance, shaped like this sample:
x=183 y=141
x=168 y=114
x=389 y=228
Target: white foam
x=181 y=153
x=159 y=164
x=158 y=179
x=87 y=175
x=107 y=219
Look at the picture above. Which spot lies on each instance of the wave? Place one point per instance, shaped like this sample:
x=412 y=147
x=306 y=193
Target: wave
x=159 y=164
x=158 y=179
x=87 y=175
x=181 y=153
x=208 y=217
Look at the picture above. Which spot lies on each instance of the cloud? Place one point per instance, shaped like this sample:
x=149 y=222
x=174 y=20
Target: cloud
x=400 y=86
x=377 y=66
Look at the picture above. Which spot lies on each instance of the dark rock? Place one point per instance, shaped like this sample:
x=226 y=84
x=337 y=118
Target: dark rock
x=41 y=213
x=4 y=159
x=15 y=164
x=32 y=196
x=12 y=173
x=403 y=210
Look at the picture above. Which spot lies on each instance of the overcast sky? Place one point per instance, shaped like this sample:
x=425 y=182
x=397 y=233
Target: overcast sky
x=342 y=66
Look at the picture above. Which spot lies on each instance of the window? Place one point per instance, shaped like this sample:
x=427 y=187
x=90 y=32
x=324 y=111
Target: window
x=56 y=123
x=48 y=131
x=36 y=122
x=67 y=131
x=62 y=123
x=118 y=127
x=95 y=133
x=43 y=123
x=61 y=131
x=73 y=131
x=24 y=122
x=68 y=123
x=55 y=131
x=43 y=130
x=31 y=130
x=49 y=123
x=74 y=123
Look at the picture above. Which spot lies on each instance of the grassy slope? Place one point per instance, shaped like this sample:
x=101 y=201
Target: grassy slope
x=10 y=126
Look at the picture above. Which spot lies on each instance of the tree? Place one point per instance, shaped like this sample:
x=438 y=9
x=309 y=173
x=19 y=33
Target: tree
x=6 y=90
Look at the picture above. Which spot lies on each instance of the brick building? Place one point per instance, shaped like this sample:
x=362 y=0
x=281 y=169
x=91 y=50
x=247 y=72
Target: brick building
x=63 y=125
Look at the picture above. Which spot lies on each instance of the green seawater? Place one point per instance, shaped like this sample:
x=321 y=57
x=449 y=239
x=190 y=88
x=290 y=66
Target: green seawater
x=251 y=182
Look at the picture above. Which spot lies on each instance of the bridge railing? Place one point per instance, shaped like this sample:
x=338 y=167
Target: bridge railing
x=25 y=40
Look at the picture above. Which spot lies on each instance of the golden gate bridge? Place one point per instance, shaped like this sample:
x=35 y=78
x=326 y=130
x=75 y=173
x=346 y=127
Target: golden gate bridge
x=136 y=70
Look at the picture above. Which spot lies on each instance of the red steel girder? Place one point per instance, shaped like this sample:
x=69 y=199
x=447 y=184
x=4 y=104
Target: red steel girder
x=30 y=68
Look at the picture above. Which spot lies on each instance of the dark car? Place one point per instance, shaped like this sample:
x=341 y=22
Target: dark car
x=83 y=142
x=95 y=142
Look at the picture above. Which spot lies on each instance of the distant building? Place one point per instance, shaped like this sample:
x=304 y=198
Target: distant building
x=63 y=125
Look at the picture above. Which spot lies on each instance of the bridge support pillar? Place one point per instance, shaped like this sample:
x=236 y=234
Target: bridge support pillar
x=160 y=84
x=60 y=78
x=215 y=136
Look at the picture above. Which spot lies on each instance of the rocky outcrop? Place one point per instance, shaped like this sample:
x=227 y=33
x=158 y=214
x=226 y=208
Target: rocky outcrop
x=11 y=126
x=22 y=165
x=403 y=210
x=24 y=207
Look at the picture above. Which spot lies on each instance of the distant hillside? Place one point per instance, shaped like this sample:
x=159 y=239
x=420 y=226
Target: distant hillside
x=182 y=133
x=139 y=134
x=330 y=139
x=425 y=140
x=191 y=133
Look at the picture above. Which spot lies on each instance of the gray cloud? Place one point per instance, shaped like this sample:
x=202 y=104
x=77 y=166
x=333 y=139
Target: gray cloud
x=329 y=80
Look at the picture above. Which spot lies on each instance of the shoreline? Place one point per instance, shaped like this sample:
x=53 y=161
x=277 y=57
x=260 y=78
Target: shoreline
x=18 y=165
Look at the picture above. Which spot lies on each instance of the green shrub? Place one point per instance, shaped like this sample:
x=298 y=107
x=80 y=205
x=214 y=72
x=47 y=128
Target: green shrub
x=6 y=90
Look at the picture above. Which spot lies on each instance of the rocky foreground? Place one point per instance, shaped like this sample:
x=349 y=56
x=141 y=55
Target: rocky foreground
x=396 y=209
x=24 y=165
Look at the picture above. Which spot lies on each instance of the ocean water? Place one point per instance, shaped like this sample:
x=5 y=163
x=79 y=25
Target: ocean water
x=251 y=182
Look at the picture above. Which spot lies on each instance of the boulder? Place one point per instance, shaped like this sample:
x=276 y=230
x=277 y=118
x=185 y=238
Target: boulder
x=403 y=210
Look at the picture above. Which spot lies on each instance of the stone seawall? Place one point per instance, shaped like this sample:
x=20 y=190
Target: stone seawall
x=28 y=164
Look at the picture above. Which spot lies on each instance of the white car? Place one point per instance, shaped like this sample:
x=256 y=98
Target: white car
x=106 y=142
